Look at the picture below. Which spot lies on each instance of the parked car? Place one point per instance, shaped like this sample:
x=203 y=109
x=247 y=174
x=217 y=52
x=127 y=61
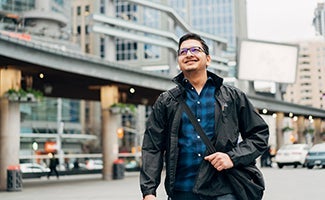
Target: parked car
x=94 y=164
x=33 y=170
x=292 y=154
x=132 y=165
x=316 y=156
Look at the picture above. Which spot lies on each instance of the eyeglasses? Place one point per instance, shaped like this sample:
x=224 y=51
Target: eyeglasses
x=193 y=50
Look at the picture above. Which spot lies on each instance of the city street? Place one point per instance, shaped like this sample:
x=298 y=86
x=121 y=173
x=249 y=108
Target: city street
x=282 y=184
x=294 y=184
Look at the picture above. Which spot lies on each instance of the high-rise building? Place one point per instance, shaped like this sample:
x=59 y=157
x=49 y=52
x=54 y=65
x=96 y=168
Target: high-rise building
x=224 y=18
x=140 y=34
x=309 y=87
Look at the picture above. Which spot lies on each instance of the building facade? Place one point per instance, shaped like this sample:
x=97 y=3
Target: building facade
x=40 y=18
x=309 y=87
x=319 y=19
x=140 y=34
x=225 y=18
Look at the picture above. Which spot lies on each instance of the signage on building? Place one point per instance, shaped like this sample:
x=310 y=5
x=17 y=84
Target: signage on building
x=50 y=147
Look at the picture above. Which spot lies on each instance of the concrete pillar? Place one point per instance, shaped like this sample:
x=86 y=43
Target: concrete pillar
x=301 y=128
x=318 y=130
x=9 y=138
x=9 y=79
x=279 y=127
x=110 y=123
x=9 y=124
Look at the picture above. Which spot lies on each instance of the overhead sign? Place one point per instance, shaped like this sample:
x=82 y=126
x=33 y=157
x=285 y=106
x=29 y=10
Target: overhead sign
x=267 y=61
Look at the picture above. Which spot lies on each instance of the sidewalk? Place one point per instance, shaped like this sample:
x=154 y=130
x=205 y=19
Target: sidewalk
x=80 y=187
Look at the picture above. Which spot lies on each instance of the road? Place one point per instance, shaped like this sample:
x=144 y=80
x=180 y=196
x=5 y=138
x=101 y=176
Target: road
x=281 y=184
x=294 y=184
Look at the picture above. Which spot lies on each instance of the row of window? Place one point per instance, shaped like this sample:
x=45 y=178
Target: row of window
x=87 y=10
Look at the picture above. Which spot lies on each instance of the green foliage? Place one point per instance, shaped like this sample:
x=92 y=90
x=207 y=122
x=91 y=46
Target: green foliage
x=23 y=95
x=124 y=108
x=309 y=131
x=287 y=128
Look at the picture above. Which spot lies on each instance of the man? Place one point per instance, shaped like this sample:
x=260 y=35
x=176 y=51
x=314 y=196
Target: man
x=223 y=112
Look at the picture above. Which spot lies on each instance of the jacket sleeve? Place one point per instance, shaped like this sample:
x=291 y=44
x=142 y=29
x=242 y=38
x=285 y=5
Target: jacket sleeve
x=153 y=148
x=254 y=132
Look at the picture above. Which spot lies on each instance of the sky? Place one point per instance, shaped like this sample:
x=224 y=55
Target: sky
x=281 y=20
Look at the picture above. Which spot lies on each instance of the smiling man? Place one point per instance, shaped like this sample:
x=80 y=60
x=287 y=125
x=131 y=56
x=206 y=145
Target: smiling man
x=223 y=112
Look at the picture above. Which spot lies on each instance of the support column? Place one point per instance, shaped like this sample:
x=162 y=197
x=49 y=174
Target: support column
x=318 y=130
x=9 y=138
x=279 y=127
x=9 y=124
x=301 y=128
x=110 y=124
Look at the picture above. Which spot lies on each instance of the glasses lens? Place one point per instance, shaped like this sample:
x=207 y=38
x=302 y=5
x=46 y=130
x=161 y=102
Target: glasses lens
x=193 y=50
x=183 y=52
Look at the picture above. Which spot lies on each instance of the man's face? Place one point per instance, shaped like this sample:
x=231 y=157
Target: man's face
x=192 y=57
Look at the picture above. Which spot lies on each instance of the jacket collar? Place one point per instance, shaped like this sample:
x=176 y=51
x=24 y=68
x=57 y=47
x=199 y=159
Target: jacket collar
x=217 y=80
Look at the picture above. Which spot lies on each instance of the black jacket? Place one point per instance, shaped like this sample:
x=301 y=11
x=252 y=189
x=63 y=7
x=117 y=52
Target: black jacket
x=234 y=116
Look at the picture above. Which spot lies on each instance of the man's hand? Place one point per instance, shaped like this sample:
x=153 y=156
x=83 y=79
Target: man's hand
x=220 y=161
x=149 y=197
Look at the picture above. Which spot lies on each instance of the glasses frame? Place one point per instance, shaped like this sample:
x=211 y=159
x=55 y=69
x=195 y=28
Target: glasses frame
x=193 y=50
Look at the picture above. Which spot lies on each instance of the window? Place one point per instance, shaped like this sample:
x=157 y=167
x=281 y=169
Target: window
x=126 y=50
x=102 y=47
x=79 y=30
x=87 y=10
x=87 y=49
x=78 y=10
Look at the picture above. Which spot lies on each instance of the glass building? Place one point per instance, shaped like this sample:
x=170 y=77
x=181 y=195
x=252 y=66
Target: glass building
x=225 y=18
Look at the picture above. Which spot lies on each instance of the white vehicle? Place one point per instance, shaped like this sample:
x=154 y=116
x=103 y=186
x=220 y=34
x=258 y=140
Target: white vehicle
x=32 y=170
x=94 y=164
x=291 y=154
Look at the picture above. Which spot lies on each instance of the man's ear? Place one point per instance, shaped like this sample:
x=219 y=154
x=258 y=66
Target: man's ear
x=208 y=60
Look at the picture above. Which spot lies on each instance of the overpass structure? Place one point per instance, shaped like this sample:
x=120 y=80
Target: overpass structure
x=73 y=74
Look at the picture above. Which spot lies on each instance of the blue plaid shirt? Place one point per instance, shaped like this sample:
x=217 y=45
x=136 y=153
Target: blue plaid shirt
x=192 y=148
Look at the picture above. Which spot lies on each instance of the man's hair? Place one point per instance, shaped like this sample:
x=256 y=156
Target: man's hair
x=193 y=36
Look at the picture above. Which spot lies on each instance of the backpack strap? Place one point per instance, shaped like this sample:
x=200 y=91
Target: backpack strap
x=176 y=93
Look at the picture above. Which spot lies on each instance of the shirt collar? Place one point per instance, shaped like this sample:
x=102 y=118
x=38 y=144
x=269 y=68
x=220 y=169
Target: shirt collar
x=186 y=83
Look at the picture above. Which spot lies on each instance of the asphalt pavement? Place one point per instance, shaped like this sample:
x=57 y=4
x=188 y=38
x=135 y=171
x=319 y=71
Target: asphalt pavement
x=281 y=184
x=80 y=187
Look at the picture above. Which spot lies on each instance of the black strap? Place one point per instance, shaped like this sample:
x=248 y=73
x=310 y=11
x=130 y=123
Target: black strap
x=197 y=126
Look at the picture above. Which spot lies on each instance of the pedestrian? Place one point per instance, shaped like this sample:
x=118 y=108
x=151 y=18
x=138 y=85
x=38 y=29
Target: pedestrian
x=225 y=115
x=54 y=162
x=76 y=164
